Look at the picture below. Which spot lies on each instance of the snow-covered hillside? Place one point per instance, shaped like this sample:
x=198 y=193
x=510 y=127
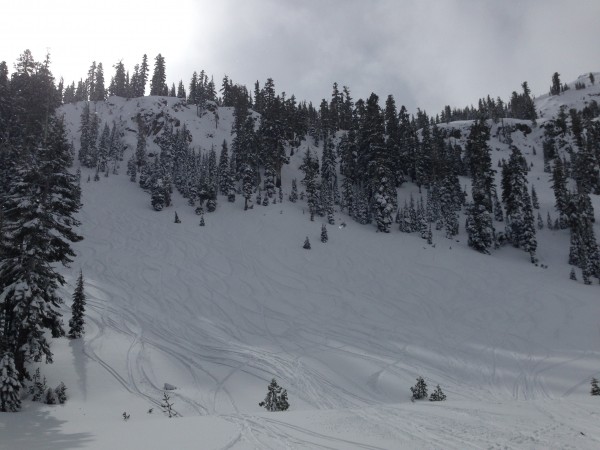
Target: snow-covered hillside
x=346 y=327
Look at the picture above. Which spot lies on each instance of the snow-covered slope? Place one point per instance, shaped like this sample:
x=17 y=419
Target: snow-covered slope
x=345 y=327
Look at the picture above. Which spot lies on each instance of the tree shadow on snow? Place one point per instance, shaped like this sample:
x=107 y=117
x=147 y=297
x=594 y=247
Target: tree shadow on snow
x=36 y=429
x=80 y=361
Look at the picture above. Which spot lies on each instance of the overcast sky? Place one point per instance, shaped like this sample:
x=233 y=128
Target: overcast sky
x=426 y=53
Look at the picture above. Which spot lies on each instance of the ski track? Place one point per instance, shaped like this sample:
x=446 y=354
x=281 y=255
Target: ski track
x=337 y=333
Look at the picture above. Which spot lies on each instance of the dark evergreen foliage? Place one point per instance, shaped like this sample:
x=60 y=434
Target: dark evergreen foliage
x=324 y=237
x=276 y=398
x=294 y=194
x=595 y=389
x=306 y=244
x=40 y=199
x=60 y=392
x=10 y=386
x=77 y=321
x=437 y=395
x=419 y=390
x=158 y=84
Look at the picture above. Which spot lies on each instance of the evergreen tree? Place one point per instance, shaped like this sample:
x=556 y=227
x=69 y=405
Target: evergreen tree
x=158 y=83
x=223 y=170
x=555 y=88
x=595 y=389
x=419 y=390
x=479 y=226
x=306 y=245
x=310 y=167
x=98 y=93
x=584 y=251
x=119 y=85
x=247 y=185
x=437 y=395
x=276 y=398
x=519 y=211
x=231 y=189
x=534 y=198
x=132 y=169
x=60 y=392
x=572 y=274
x=540 y=221
x=158 y=195
x=77 y=320
x=39 y=224
x=294 y=194
x=324 y=237
x=10 y=386
x=480 y=163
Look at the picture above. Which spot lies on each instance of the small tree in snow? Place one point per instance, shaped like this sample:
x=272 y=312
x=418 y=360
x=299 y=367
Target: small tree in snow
x=38 y=386
x=167 y=406
x=419 y=390
x=294 y=194
x=276 y=399
x=10 y=386
x=50 y=398
x=573 y=275
x=324 y=237
x=306 y=244
x=437 y=395
x=61 y=393
x=595 y=389
x=177 y=220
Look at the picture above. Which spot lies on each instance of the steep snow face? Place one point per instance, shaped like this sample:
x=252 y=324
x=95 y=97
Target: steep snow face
x=345 y=327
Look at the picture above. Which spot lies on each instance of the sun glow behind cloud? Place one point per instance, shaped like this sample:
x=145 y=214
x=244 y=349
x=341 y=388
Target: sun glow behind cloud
x=79 y=32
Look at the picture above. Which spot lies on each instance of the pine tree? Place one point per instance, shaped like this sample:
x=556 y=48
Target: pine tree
x=177 y=218
x=419 y=390
x=60 y=392
x=157 y=84
x=247 y=185
x=223 y=170
x=324 y=237
x=98 y=92
x=132 y=169
x=38 y=226
x=276 y=398
x=540 y=221
x=310 y=167
x=479 y=227
x=294 y=194
x=10 y=386
x=561 y=194
x=306 y=244
x=437 y=395
x=534 y=198
x=595 y=389
x=77 y=321
x=231 y=191
x=573 y=275
x=118 y=85
x=555 y=88
x=38 y=386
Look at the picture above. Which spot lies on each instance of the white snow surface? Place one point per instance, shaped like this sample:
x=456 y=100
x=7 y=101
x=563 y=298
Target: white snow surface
x=345 y=327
